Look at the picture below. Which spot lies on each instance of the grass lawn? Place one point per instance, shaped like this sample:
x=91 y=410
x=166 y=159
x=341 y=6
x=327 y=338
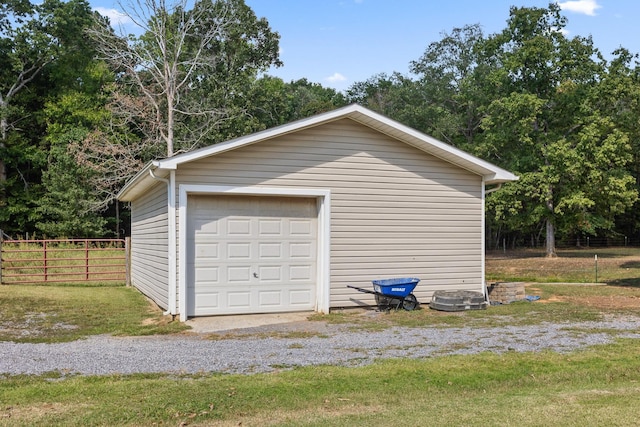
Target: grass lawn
x=616 y=266
x=592 y=387
x=600 y=386
x=50 y=313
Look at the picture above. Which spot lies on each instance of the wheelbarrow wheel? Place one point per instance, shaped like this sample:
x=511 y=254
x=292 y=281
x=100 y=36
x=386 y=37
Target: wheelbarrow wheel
x=410 y=302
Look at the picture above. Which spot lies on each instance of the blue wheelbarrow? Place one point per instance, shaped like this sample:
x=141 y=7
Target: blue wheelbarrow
x=393 y=293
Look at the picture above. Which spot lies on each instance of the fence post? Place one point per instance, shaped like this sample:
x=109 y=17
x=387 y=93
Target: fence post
x=127 y=260
x=44 y=253
x=1 y=257
x=86 y=259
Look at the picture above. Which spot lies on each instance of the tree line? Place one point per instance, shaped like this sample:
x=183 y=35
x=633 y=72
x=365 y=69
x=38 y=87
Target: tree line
x=84 y=106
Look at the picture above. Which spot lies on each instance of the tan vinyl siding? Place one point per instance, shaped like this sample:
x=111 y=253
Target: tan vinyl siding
x=149 y=244
x=396 y=211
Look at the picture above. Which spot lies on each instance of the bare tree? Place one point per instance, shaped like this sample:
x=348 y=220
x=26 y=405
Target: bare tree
x=160 y=65
x=175 y=84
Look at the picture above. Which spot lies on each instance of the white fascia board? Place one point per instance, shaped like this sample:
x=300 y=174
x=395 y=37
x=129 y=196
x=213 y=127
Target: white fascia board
x=500 y=177
x=133 y=182
x=433 y=146
x=392 y=128
x=368 y=118
x=173 y=162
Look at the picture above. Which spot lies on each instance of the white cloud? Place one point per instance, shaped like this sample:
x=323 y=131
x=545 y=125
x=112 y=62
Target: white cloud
x=587 y=7
x=336 y=77
x=562 y=31
x=115 y=16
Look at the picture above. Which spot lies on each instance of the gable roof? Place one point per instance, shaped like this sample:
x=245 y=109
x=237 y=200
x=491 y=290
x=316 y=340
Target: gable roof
x=492 y=174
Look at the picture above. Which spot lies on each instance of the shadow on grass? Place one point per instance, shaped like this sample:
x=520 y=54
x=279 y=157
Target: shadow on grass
x=601 y=252
x=630 y=264
x=631 y=282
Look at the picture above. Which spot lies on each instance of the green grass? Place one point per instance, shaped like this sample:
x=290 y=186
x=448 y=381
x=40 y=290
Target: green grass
x=599 y=386
x=614 y=266
x=559 y=303
x=66 y=313
x=592 y=387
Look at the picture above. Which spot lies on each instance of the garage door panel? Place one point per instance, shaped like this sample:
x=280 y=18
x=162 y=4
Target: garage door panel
x=262 y=257
x=270 y=273
x=207 y=301
x=300 y=297
x=300 y=228
x=301 y=250
x=207 y=275
x=239 y=251
x=239 y=274
x=239 y=299
x=270 y=298
x=206 y=252
x=300 y=273
x=269 y=227
x=238 y=227
x=270 y=251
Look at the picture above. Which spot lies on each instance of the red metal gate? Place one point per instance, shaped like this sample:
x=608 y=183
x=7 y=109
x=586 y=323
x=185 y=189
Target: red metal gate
x=63 y=261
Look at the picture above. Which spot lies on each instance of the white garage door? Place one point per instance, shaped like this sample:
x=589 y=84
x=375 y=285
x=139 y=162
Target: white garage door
x=249 y=254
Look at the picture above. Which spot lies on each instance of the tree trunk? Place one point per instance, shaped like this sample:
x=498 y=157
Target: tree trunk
x=551 y=240
x=551 y=232
x=3 y=138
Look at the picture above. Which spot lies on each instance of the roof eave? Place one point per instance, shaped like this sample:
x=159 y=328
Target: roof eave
x=490 y=173
x=137 y=185
x=500 y=178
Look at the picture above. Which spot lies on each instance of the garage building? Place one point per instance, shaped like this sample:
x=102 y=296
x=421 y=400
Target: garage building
x=284 y=219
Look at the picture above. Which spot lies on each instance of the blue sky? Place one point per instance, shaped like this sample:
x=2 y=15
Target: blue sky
x=339 y=42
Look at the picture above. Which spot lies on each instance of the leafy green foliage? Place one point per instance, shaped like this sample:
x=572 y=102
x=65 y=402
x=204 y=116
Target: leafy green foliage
x=538 y=103
x=571 y=157
x=528 y=98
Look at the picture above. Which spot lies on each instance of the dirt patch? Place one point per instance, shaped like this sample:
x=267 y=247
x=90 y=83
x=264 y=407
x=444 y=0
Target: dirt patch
x=33 y=325
x=157 y=321
x=21 y=414
x=611 y=302
x=605 y=302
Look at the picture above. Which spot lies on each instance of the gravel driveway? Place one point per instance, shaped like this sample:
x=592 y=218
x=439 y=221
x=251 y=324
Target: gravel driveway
x=260 y=350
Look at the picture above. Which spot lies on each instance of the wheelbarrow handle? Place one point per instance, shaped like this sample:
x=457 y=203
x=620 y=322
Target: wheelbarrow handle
x=366 y=291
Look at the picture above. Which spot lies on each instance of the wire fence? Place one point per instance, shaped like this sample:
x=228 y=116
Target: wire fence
x=511 y=243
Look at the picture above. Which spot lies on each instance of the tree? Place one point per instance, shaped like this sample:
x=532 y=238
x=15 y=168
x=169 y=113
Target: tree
x=271 y=102
x=38 y=63
x=178 y=85
x=447 y=98
x=453 y=78
x=174 y=76
x=618 y=96
x=71 y=206
x=396 y=96
x=543 y=126
x=25 y=49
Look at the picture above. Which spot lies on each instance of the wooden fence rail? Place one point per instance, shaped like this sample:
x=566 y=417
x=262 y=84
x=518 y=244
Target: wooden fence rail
x=64 y=261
